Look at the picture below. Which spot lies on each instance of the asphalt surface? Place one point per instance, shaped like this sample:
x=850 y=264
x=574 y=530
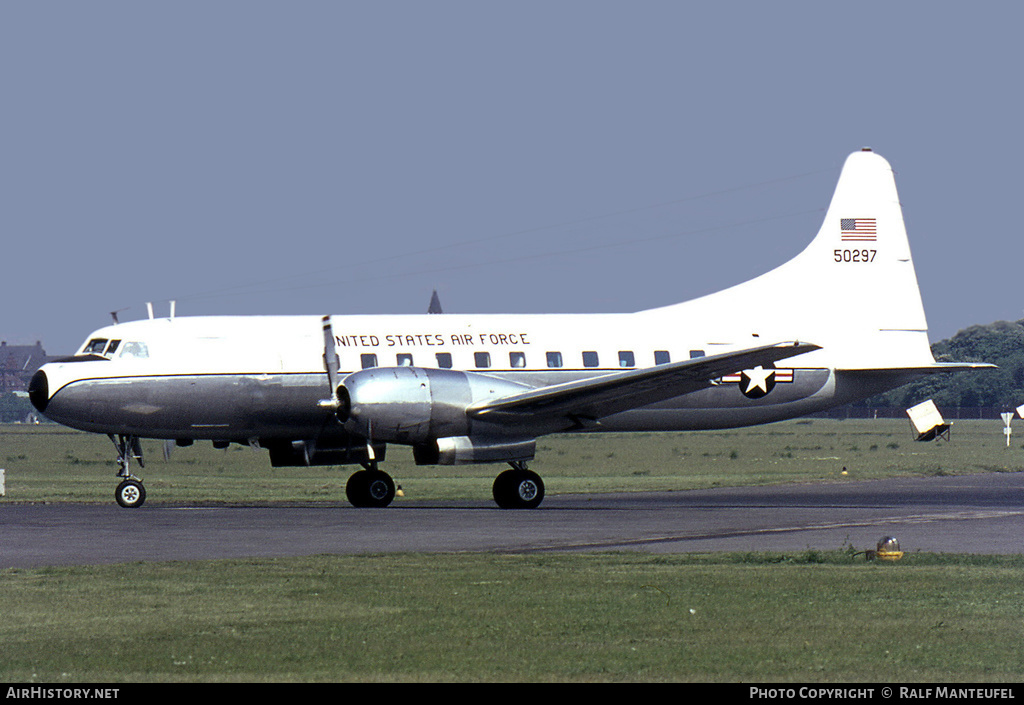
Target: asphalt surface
x=981 y=514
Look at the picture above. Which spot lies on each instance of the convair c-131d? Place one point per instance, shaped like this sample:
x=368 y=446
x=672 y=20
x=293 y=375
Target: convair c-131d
x=841 y=321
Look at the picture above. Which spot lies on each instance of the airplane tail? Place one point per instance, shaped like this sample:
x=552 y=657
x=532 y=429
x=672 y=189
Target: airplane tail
x=853 y=290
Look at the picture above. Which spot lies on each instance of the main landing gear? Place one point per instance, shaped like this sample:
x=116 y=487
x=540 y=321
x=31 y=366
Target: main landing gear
x=370 y=487
x=130 y=494
x=518 y=488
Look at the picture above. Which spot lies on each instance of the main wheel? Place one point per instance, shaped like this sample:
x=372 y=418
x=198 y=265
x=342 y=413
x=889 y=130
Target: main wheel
x=518 y=489
x=370 y=488
x=130 y=494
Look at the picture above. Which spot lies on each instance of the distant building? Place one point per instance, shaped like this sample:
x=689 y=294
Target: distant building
x=17 y=365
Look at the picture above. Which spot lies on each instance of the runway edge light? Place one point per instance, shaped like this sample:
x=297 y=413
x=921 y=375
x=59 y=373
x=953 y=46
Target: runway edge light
x=888 y=549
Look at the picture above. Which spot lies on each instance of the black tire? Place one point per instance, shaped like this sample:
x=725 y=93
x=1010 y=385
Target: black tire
x=518 y=489
x=370 y=488
x=130 y=494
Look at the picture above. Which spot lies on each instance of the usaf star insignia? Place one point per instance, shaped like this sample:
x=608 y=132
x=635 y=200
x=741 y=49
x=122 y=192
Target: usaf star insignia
x=757 y=382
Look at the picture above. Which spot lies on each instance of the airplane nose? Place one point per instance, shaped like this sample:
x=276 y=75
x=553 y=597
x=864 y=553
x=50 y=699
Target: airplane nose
x=39 y=391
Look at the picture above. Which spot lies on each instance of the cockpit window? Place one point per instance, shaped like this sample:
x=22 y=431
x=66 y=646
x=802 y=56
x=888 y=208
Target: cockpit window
x=135 y=350
x=96 y=346
x=100 y=346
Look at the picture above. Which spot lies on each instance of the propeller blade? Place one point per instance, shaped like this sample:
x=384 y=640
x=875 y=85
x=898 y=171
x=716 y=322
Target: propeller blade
x=331 y=363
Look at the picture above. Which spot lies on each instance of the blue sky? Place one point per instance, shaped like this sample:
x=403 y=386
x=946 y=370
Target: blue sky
x=350 y=157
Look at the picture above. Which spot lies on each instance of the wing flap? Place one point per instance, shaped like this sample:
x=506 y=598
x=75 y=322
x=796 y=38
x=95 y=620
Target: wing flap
x=597 y=397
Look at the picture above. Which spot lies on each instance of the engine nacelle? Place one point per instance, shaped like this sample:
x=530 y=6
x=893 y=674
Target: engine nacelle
x=414 y=405
x=462 y=450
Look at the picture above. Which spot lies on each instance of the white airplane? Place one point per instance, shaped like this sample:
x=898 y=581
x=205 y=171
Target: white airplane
x=844 y=317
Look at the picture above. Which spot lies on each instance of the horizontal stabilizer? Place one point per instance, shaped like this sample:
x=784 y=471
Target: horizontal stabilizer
x=934 y=368
x=597 y=397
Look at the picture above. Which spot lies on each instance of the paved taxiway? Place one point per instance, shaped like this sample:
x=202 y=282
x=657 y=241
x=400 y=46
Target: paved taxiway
x=969 y=514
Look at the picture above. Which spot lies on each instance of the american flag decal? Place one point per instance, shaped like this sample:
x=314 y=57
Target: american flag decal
x=858 y=229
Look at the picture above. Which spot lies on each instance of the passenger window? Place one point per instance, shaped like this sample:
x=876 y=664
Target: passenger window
x=590 y=359
x=368 y=360
x=404 y=359
x=95 y=346
x=626 y=358
x=554 y=359
x=135 y=350
x=444 y=360
x=482 y=359
x=517 y=359
x=661 y=357
x=694 y=354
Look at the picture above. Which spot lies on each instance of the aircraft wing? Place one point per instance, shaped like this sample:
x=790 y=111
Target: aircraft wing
x=591 y=399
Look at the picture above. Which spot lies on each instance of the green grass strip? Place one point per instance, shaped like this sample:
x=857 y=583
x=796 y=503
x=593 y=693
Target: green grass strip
x=807 y=617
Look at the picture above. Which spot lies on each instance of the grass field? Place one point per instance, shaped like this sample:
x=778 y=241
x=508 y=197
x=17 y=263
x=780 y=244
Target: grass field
x=816 y=616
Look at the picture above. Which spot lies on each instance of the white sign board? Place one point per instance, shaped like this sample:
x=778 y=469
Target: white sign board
x=925 y=416
x=927 y=422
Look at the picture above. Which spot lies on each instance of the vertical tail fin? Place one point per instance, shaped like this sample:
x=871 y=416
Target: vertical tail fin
x=853 y=290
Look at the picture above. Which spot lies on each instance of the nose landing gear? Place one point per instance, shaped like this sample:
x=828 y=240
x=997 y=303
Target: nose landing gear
x=130 y=494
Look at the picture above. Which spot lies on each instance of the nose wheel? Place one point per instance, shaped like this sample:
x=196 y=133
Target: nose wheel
x=130 y=494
